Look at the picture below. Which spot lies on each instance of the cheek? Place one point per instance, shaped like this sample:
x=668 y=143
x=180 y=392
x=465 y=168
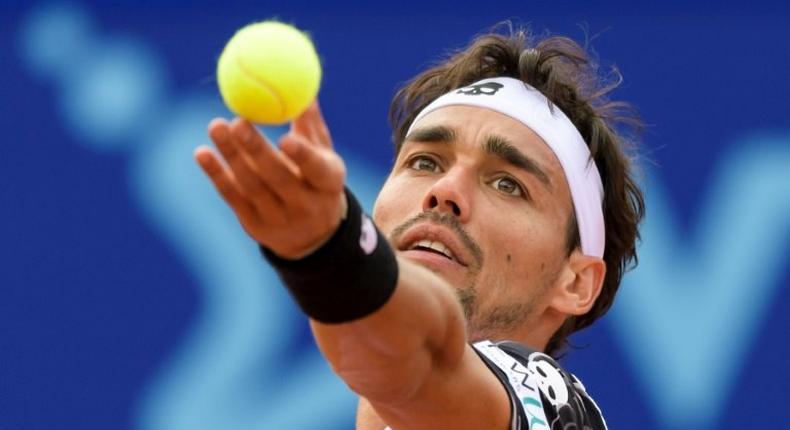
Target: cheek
x=523 y=250
x=394 y=204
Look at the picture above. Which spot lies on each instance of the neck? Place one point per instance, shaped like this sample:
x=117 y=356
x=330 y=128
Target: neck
x=532 y=332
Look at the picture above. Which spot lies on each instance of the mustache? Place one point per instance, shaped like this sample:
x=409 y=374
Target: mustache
x=446 y=220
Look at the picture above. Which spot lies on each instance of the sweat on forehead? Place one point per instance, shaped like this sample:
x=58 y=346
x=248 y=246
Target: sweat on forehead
x=529 y=106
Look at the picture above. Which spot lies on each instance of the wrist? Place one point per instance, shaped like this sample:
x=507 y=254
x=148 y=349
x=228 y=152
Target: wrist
x=350 y=276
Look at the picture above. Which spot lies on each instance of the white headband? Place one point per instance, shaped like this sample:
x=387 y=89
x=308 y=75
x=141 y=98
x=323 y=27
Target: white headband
x=524 y=103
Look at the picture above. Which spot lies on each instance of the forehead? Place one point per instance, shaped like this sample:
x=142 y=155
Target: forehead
x=472 y=125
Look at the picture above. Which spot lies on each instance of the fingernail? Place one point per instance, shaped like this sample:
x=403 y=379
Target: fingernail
x=221 y=133
x=292 y=147
x=201 y=157
x=246 y=131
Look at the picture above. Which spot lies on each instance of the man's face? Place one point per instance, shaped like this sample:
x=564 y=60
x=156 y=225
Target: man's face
x=486 y=190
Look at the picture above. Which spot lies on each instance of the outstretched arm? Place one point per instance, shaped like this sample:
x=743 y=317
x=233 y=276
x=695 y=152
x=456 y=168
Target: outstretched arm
x=409 y=357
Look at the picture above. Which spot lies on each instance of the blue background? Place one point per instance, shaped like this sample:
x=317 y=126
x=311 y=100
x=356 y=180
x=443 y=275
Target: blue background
x=130 y=299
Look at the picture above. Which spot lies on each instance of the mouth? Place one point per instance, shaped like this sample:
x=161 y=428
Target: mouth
x=435 y=247
x=433 y=243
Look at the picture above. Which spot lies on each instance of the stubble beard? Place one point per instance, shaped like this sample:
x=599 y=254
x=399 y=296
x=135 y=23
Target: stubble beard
x=499 y=322
x=492 y=324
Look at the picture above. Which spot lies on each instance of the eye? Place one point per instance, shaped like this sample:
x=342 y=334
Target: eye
x=423 y=163
x=508 y=186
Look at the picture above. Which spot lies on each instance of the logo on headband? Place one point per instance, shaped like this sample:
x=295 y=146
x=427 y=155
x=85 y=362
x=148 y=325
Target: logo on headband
x=488 y=88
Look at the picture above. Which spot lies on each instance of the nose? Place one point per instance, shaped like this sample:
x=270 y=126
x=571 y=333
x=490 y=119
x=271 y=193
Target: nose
x=450 y=194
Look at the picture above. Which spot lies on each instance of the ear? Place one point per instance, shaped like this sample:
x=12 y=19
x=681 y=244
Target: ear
x=579 y=284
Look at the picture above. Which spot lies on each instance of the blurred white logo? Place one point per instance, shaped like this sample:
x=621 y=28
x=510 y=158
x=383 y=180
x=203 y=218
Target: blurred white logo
x=368 y=239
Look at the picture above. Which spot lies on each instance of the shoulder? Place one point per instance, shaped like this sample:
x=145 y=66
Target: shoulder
x=542 y=393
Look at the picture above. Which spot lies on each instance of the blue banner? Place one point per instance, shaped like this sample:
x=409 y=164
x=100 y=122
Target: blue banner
x=131 y=299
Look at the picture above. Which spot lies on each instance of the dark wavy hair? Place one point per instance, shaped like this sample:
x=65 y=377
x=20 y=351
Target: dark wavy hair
x=569 y=77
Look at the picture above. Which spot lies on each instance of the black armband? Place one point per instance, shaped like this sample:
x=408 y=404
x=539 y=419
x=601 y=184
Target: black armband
x=349 y=277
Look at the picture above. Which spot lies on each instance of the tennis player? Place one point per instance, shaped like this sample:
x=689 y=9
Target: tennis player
x=506 y=223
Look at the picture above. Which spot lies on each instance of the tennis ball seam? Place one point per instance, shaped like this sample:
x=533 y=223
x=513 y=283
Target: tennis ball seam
x=264 y=84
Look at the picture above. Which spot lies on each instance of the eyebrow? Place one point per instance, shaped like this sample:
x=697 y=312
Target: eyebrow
x=502 y=148
x=432 y=134
x=495 y=145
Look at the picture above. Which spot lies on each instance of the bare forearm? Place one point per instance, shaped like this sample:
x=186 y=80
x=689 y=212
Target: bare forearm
x=387 y=355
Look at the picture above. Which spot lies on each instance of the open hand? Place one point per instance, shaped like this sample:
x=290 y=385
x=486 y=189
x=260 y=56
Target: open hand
x=290 y=199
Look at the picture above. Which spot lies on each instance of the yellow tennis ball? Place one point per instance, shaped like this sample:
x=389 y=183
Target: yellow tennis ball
x=269 y=72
